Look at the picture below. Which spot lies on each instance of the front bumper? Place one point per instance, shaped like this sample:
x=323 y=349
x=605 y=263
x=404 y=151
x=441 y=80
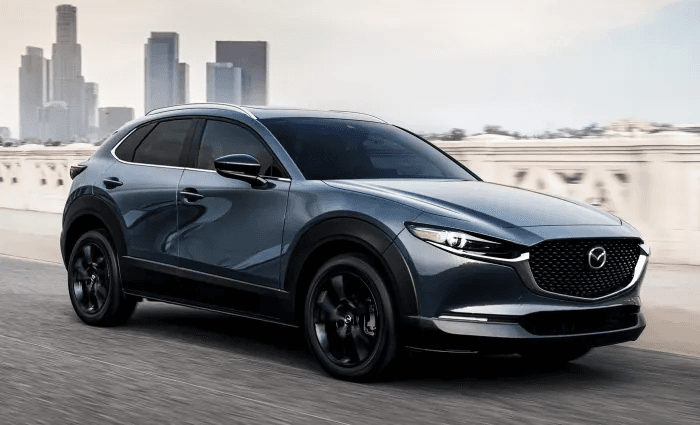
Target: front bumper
x=468 y=303
x=515 y=334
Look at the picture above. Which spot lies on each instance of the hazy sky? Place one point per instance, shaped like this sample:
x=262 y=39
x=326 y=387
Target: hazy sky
x=528 y=65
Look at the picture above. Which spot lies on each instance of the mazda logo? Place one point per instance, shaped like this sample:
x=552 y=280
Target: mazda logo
x=597 y=257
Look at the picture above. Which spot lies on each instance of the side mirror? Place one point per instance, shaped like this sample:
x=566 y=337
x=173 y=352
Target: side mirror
x=241 y=167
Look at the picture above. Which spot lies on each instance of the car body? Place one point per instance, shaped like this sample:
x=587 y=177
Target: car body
x=457 y=264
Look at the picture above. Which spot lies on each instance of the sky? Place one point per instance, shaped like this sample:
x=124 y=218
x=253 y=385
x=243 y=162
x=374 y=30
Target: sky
x=527 y=65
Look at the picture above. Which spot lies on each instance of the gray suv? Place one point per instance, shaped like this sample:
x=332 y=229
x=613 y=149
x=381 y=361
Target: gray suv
x=364 y=235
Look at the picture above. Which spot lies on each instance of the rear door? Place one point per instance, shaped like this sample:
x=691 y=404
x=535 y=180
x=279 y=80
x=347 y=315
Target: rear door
x=143 y=186
x=230 y=233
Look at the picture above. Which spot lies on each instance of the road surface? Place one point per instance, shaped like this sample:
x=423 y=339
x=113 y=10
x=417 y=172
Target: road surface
x=175 y=365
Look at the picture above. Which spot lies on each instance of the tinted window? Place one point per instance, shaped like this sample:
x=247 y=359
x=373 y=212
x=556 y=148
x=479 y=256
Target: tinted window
x=223 y=138
x=326 y=149
x=165 y=144
x=125 y=151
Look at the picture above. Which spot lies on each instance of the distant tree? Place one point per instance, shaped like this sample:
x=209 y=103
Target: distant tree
x=456 y=134
x=497 y=129
x=548 y=135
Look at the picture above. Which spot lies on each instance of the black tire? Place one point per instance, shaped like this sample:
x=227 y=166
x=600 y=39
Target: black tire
x=352 y=331
x=554 y=356
x=94 y=282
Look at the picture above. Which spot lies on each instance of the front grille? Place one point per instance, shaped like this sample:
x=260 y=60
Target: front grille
x=581 y=322
x=561 y=266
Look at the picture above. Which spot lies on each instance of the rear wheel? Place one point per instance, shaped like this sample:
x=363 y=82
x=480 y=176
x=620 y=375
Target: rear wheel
x=94 y=284
x=349 y=319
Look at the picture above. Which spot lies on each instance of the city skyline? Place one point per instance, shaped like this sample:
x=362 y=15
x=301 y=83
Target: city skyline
x=545 y=67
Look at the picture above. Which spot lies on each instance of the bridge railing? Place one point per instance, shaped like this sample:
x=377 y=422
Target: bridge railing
x=652 y=181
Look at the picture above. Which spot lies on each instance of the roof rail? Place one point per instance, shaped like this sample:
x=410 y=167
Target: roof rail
x=360 y=113
x=199 y=105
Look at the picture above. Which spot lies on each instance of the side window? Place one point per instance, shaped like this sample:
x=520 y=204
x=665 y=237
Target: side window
x=223 y=138
x=125 y=151
x=165 y=144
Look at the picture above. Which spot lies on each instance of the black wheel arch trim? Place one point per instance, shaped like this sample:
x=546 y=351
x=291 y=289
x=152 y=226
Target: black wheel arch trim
x=402 y=286
x=99 y=208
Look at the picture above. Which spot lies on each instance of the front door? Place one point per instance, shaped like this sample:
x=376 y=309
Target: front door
x=230 y=233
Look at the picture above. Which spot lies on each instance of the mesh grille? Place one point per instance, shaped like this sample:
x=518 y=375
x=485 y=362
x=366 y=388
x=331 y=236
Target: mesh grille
x=561 y=266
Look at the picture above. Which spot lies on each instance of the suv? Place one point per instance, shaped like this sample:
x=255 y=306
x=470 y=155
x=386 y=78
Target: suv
x=363 y=234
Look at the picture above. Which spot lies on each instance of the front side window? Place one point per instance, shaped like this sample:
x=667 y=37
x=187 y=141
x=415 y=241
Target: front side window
x=165 y=144
x=329 y=149
x=222 y=138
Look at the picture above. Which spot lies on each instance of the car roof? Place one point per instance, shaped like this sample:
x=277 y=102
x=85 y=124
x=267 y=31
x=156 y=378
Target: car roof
x=265 y=112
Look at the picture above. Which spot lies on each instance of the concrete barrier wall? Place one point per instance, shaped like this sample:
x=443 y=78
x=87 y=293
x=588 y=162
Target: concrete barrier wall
x=652 y=181
x=37 y=178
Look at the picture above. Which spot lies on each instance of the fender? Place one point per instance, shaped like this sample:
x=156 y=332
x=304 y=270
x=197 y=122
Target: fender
x=372 y=239
x=91 y=205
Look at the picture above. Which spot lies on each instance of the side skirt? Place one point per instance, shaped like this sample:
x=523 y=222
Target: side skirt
x=207 y=307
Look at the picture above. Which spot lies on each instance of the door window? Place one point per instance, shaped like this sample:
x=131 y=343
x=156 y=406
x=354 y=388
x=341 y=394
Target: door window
x=222 y=138
x=165 y=145
x=125 y=151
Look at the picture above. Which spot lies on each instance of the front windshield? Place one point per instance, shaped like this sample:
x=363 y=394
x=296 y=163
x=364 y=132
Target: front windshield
x=330 y=149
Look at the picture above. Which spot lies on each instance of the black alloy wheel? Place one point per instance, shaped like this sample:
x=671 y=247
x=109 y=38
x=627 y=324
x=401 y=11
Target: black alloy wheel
x=345 y=319
x=349 y=319
x=94 y=284
x=90 y=278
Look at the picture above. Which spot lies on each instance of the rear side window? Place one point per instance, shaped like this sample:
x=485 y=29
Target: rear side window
x=126 y=149
x=165 y=145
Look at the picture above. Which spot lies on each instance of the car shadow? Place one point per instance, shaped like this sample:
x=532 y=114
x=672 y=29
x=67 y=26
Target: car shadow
x=282 y=346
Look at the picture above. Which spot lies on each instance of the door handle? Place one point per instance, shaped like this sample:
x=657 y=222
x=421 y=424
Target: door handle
x=112 y=182
x=191 y=195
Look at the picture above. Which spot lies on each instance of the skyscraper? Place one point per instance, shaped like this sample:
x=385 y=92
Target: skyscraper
x=224 y=83
x=251 y=58
x=54 y=120
x=112 y=118
x=91 y=96
x=161 y=70
x=33 y=91
x=183 y=83
x=68 y=81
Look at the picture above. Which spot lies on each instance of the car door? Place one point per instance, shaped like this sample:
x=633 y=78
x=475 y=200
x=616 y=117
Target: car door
x=143 y=187
x=230 y=233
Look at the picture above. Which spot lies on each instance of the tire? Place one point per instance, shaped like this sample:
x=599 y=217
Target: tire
x=349 y=319
x=555 y=355
x=94 y=282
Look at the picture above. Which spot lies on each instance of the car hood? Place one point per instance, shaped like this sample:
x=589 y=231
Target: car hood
x=501 y=205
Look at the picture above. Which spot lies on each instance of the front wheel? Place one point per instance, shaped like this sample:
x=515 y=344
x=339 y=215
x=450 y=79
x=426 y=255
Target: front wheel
x=349 y=319
x=94 y=284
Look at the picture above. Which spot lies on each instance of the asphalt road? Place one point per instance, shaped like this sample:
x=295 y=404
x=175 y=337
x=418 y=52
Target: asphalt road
x=177 y=365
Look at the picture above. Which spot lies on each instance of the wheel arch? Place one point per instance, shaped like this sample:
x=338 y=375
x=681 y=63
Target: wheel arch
x=88 y=213
x=335 y=236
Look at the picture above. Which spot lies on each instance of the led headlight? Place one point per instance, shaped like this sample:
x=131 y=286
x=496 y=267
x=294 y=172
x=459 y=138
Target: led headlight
x=463 y=243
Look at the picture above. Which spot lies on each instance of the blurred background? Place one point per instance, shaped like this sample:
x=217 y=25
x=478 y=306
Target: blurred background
x=596 y=100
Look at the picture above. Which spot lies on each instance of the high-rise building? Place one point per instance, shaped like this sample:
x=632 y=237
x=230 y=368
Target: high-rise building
x=224 y=83
x=251 y=58
x=54 y=120
x=33 y=91
x=183 y=83
x=68 y=82
x=112 y=118
x=161 y=69
x=91 y=104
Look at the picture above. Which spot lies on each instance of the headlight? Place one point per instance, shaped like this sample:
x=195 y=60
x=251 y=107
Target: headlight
x=464 y=243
